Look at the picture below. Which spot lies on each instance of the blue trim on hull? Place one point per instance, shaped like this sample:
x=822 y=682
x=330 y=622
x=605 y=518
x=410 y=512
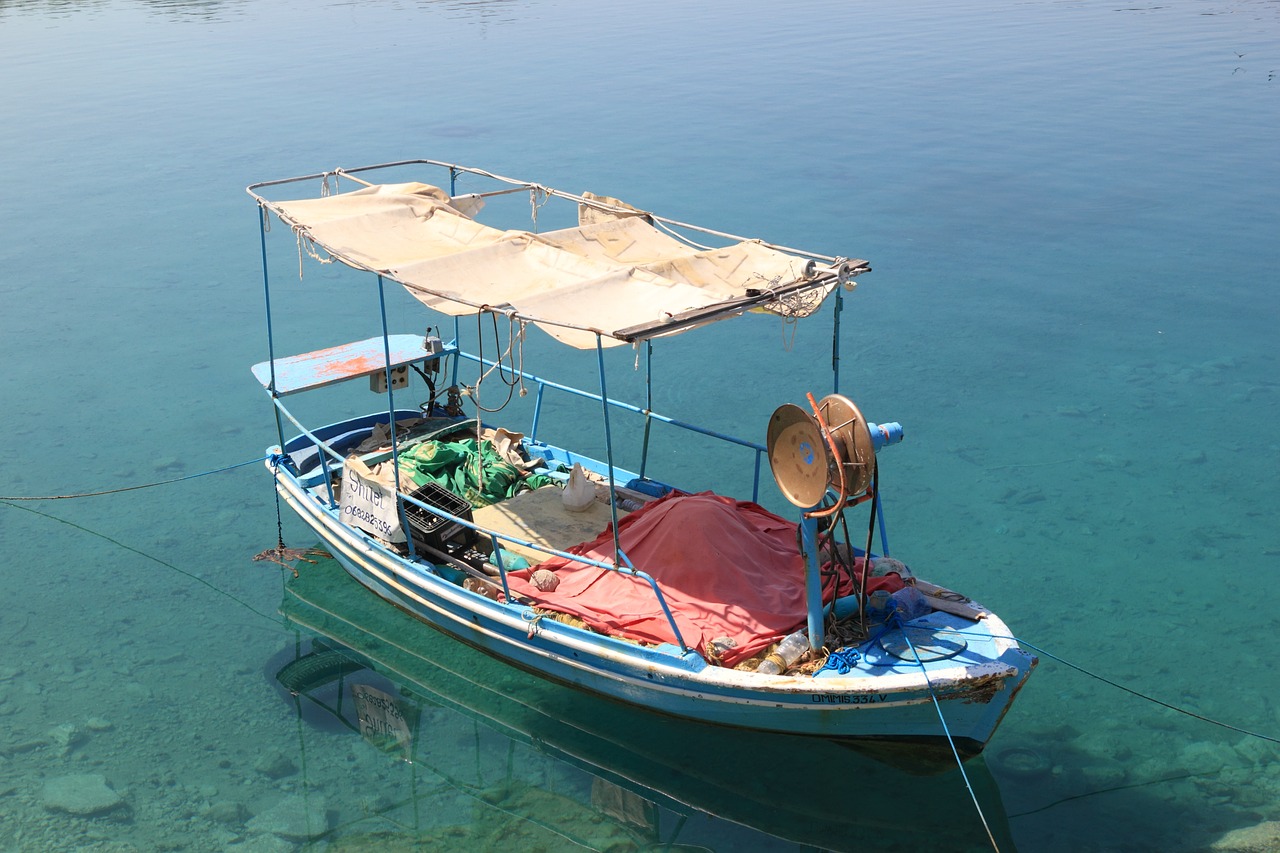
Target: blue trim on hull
x=649 y=677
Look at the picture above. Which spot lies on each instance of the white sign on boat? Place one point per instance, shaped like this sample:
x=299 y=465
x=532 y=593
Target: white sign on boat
x=370 y=506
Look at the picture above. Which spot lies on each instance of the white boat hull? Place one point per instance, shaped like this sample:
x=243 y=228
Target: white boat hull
x=973 y=695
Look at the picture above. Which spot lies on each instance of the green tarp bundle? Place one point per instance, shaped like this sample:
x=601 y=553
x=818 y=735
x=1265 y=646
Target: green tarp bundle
x=479 y=474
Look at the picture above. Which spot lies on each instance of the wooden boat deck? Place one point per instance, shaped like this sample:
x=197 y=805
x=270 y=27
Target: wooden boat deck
x=539 y=516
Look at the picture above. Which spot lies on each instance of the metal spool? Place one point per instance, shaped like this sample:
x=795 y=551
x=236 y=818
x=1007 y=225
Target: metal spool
x=800 y=455
x=848 y=428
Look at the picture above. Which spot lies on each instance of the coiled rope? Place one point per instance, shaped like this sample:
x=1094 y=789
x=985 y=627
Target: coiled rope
x=131 y=488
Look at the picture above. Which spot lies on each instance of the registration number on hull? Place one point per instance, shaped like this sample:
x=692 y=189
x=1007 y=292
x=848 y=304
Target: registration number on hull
x=848 y=698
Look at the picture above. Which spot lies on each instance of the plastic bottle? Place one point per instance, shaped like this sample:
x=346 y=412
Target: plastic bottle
x=787 y=653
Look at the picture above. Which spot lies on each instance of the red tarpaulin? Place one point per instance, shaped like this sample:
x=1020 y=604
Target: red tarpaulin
x=727 y=568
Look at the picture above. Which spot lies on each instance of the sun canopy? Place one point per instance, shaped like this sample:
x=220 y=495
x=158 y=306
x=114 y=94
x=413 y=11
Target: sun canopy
x=616 y=274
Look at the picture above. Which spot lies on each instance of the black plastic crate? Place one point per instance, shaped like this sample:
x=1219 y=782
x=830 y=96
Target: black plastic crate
x=433 y=531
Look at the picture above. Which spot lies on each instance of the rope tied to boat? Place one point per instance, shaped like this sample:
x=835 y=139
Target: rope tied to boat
x=1119 y=686
x=276 y=460
x=514 y=352
x=946 y=730
x=337 y=174
x=307 y=243
x=134 y=488
x=538 y=197
x=683 y=238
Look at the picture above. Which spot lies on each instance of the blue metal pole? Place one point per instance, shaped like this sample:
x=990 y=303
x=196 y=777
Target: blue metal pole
x=537 y=412
x=812 y=579
x=496 y=556
x=271 y=345
x=608 y=449
x=662 y=600
x=648 y=405
x=391 y=419
x=835 y=341
x=457 y=342
x=884 y=534
x=755 y=477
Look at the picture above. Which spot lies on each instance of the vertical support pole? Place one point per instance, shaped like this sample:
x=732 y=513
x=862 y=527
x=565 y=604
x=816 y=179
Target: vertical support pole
x=453 y=181
x=391 y=422
x=884 y=534
x=537 y=411
x=648 y=404
x=457 y=362
x=496 y=556
x=835 y=341
x=755 y=478
x=263 y=213
x=608 y=451
x=812 y=579
x=328 y=476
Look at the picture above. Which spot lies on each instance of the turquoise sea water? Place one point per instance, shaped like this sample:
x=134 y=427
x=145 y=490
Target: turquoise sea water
x=1072 y=210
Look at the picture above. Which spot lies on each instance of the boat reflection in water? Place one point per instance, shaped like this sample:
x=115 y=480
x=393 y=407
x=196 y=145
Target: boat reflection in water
x=476 y=754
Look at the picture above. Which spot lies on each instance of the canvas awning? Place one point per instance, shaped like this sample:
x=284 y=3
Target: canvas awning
x=616 y=273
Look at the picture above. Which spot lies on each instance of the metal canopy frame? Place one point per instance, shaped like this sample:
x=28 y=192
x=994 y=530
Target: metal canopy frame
x=386 y=352
x=822 y=271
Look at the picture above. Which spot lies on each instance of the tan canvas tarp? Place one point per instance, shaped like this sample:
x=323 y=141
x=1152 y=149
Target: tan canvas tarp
x=608 y=274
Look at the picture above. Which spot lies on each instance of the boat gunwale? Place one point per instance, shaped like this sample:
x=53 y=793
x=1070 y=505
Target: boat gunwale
x=659 y=663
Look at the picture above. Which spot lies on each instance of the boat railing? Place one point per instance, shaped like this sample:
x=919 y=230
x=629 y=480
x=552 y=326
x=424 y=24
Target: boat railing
x=624 y=565
x=542 y=384
x=321 y=445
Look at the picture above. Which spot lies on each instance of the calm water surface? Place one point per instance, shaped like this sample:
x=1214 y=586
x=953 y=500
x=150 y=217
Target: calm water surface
x=1071 y=209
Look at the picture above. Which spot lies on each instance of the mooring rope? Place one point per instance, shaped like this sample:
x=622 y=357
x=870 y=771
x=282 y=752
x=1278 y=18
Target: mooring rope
x=947 y=731
x=151 y=557
x=1120 y=686
x=1146 y=783
x=131 y=488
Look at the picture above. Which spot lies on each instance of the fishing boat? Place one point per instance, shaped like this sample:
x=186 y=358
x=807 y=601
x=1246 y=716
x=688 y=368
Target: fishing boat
x=550 y=551
x=359 y=666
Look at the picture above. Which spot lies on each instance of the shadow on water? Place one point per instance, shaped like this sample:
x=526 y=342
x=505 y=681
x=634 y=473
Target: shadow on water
x=635 y=780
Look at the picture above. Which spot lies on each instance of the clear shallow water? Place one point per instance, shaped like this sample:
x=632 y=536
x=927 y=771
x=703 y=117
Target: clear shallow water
x=1071 y=210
